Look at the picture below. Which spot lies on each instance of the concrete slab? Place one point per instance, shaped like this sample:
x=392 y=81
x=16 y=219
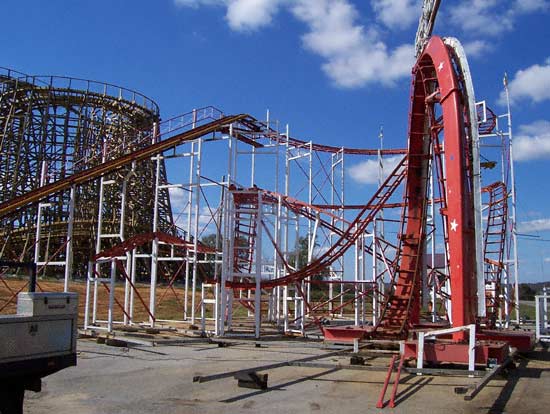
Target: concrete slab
x=159 y=380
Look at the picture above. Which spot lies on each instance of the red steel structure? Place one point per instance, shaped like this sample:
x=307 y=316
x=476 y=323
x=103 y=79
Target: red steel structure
x=437 y=107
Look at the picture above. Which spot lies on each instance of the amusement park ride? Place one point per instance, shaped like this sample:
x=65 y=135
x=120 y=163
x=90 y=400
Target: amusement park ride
x=443 y=142
x=442 y=104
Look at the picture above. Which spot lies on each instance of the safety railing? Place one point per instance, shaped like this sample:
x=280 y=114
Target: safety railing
x=422 y=336
x=101 y=88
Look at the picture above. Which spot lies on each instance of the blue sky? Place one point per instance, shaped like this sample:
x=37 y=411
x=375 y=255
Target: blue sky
x=336 y=70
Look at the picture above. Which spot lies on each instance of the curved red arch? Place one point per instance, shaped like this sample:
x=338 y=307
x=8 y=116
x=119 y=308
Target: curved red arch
x=438 y=106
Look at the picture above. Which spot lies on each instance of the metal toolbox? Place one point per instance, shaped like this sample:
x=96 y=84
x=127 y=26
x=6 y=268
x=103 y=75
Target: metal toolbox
x=47 y=304
x=45 y=326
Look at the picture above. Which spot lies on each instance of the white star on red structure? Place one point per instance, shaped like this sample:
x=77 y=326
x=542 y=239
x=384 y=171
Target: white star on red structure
x=454 y=225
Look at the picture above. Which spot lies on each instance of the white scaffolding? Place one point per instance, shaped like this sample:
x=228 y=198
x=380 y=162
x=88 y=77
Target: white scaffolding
x=286 y=228
x=496 y=148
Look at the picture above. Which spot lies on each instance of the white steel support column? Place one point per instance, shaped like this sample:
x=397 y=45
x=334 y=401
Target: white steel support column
x=196 y=189
x=121 y=235
x=364 y=279
x=99 y=233
x=226 y=265
x=312 y=239
x=356 y=305
x=277 y=260
x=69 y=246
x=310 y=236
x=342 y=221
x=513 y=197
x=188 y=232
x=218 y=268
x=188 y=227
x=375 y=280
x=133 y=279
x=298 y=299
x=110 y=315
x=233 y=163
x=127 y=289
x=88 y=288
x=94 y=305
x=227 y=243
x=40 y=207
x=286 y=229
x=155 y=244
x=38 y=233
x=258 y=276
x=379 y=232
x=506 y=293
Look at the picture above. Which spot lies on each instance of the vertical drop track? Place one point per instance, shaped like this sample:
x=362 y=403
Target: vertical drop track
x=438 y=114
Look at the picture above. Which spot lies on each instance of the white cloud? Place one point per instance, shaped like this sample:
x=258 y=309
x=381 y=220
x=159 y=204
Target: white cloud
x=476 y=48
x=241 y=15
x=178 y=199
x=532 y=141
x=244 y=15
x=534 y=226
x=354 y=55
x=491 y=17
x=529 y=6
x=397 y=14
x=532 y=83
x=481 y=16
x=366 y=172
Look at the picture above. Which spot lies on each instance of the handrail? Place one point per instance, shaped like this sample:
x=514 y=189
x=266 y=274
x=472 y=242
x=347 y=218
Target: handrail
x=66 y=82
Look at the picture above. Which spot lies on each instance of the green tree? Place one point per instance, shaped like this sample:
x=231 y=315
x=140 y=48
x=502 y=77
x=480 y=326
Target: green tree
x=206 y=271
x=526 y=292
x=302 y=253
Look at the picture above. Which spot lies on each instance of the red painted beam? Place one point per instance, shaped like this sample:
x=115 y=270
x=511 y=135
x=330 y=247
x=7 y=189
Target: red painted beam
x=453 y=352
x=436 y=64
x=521 y=340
